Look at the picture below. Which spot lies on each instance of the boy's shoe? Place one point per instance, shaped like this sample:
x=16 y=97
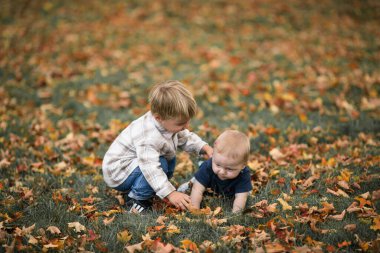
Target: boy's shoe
x=186 y=186
x=138 y=206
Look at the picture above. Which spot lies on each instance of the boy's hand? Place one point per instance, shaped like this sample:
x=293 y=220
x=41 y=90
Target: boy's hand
x=207 y=151
x=179 y=200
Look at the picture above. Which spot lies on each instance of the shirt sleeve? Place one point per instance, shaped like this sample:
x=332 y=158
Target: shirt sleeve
x=203 y=175
x=245 y=184
x=149 y=163
x=190 y=142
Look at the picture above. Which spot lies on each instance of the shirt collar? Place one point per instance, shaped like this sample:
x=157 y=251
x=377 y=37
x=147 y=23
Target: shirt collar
x=160 y=128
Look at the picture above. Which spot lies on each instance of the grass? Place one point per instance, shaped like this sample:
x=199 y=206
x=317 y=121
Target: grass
x=298 y=76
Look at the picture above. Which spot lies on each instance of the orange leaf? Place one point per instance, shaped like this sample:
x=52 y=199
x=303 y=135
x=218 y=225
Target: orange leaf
x=189 y=245
x=108 y=221
x=376 y=225
x=344 y=244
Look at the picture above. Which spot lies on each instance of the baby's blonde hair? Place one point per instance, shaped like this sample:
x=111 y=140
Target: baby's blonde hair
x=171 y=99
x=233 y=144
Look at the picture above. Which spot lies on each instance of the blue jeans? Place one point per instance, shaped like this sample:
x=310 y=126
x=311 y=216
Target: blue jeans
x=137 y=185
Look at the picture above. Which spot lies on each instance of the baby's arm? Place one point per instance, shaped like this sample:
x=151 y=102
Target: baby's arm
x=197 y=194
x=240 y=201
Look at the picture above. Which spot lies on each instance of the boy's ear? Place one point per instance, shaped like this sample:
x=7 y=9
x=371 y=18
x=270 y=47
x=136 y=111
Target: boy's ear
x=157 y=117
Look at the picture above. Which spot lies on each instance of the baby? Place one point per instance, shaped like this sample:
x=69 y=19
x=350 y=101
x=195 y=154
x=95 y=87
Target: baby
x=226 y=173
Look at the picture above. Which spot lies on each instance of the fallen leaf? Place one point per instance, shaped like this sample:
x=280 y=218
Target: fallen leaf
x=276 y=154
x=124 y=236
x=32 y=240
x=172 y=229
x=338 y=216
x=285 y=205
x=338 y=193
x=376 y=223
x=53 y=230
x=108 y=221
x=134 y=247
x=161 y=219
x=343 y=184
x=376 y=195
x=189 y=245
x=350 y=227
x=77 y=226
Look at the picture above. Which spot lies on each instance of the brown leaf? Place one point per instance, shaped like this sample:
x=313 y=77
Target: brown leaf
x=53 y=230
x=309 y=182
x=338 y=216
x=353 y=207
x=375 y=195
x=350 y=227
x=161 y=219
x=343 y=184
x=338 y=193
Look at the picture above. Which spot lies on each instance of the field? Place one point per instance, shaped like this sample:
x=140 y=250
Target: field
x=300 y=78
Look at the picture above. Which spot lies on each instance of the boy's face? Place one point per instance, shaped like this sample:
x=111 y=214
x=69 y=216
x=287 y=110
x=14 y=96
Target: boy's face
x=174 y=125
x=225 y=167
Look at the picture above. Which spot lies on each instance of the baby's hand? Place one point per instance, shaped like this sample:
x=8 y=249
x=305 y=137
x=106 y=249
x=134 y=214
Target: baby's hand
x=179 y=200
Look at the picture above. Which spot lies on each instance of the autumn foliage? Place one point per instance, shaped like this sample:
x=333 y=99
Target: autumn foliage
x=300 y=78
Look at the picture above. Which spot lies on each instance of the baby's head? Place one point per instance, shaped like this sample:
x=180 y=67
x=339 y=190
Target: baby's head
x=231 y=151
x=172 y=105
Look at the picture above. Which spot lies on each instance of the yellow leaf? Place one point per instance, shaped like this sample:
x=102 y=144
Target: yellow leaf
x=217 y=211
x=172 y=229
x=189 y=245
x=345 y=175
x=49 y=246
x=285 y=205
x=124 y=236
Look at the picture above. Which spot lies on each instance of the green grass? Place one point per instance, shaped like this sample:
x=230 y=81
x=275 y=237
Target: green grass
x=287 y=74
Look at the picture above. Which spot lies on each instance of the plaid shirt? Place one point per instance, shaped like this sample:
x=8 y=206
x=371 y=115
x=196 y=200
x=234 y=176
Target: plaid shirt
x=141 y=144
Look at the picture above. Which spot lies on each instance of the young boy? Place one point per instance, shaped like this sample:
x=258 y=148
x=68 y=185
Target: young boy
x=141 y=159
x=226 y=172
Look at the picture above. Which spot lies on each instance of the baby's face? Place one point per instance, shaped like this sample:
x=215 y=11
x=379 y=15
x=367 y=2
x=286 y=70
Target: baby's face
x=225 y=167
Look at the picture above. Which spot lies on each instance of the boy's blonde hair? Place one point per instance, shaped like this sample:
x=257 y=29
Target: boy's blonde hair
x=233 y=144
x=171 y=99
